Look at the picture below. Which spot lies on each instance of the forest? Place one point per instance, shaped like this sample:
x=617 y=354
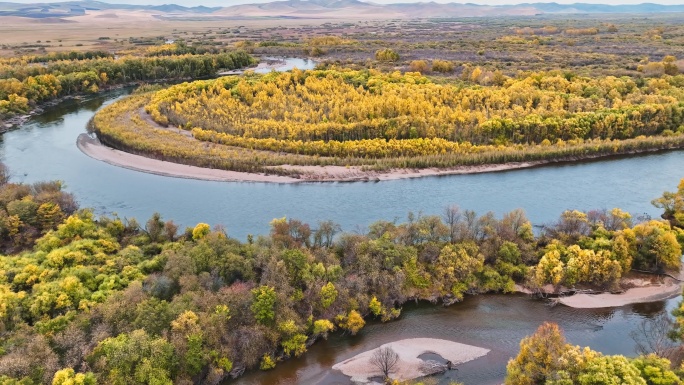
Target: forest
x=383 y=121
x=29 y=81
x=89 y=299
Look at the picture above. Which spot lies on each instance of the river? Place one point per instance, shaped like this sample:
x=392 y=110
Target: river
x=45 y=149
x=495 y=322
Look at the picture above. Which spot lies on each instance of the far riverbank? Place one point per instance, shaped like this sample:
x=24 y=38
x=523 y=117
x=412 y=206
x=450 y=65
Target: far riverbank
x=96 y=150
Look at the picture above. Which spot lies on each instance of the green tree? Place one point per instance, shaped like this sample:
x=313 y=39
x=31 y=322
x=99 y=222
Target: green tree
x=263 y=304
x=135 y=358
x=328 y=295
x=656 y=370
x=611 y=370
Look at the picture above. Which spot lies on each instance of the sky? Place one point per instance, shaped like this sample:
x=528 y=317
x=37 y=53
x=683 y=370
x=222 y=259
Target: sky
x=227 y=3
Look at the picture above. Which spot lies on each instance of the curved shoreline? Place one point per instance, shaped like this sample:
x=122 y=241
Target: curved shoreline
x=96 y=150
x=629 y=297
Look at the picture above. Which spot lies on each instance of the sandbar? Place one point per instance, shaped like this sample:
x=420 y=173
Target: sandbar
x=630 y=296
x=360 y=369
x=93 y=148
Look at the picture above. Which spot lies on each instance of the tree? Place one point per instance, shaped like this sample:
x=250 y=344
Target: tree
x=69 y=377
x=323 y=237
x=200 y=231
x=539 y=357
x=657 y=246
x=442 y=66
x=263 y=304
x=610 y=370
x=328 y=295
x=352 y=322
x=267 y=362
x=656 y=370
x=386 y=360
x=4 y=174
x=135 y=358
x=386 y=55
x=419 y=66
x=322 y=327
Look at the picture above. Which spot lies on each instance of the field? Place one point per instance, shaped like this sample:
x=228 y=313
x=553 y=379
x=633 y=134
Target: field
x=608 y=44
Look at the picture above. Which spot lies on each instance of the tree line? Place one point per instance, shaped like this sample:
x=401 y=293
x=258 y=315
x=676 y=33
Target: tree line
x=350 y=106
x=28 y=81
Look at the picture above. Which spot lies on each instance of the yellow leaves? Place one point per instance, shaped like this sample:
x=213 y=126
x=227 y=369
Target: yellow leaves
x=186 y=323
x=353 y=321
x=322 y=327
x=550 y=269
x=200 y=231
x=366 y=118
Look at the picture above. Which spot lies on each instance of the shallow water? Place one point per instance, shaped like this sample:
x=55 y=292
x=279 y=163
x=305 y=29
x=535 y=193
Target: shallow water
x=495 y=322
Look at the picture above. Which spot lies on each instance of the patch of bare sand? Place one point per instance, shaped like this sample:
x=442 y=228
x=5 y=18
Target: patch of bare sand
x=360 y=369
x=635 y=295
x=353 y=173
x=94 y=149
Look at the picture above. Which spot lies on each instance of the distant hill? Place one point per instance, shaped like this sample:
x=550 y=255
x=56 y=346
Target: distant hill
x=77 y=8
x=604 y=8
x=328 y=9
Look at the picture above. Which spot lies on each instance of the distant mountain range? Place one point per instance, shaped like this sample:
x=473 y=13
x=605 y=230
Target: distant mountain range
x=327 y=9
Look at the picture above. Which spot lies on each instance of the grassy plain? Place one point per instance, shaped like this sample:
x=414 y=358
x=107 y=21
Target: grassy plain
x=621 y=42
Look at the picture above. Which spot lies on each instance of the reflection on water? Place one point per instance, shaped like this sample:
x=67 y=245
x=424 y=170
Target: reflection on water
x=286 y=64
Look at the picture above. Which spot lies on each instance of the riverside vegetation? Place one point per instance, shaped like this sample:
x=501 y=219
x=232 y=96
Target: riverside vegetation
x=28 y=81
x=383 y=121
x=102 y=300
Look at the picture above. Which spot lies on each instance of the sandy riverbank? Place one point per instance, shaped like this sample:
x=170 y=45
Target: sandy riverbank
x=361 y=370
x=635 y=295
x=93 y=148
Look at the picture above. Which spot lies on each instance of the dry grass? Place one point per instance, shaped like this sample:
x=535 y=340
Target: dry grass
x=83 y=33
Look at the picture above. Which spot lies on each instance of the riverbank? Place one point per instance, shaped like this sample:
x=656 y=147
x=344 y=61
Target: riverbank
x=410 y=365
x=640 y=289
x=8 y=123
x=631 y=296
x=15 y=121
x=96 y=150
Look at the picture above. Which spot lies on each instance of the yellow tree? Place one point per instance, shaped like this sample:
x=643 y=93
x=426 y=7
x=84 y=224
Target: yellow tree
x=539 y=357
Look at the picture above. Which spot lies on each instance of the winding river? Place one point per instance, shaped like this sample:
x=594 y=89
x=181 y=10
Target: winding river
x=45 y=149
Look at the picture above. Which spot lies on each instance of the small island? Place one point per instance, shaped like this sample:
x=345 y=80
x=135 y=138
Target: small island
x=403 y=359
